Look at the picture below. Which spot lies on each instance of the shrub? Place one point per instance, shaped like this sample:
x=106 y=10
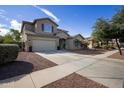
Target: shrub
x=108 y=47
x=105 y=47
x=8 y=52
x=97 y=46
x=19 y=44
x=1 y=39
x=111 y=47
x=84 y=44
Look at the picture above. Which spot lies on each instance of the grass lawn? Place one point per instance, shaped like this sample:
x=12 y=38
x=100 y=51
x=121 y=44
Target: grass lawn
x=25 y=63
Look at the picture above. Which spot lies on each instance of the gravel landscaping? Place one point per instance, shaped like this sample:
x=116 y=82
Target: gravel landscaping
x=118 y=56
x=74 y=81
x=25 y=63
x=91 y=52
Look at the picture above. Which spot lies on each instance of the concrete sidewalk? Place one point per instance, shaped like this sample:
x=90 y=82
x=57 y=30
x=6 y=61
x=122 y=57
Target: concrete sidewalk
x=106 y=54
x=46 y=76
x=108 y=73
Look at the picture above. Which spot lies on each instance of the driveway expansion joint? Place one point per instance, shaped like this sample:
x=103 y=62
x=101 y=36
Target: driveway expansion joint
x=32 y=81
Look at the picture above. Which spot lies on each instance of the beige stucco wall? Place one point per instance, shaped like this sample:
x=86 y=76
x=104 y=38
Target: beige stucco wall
x=62 y=35
x=70 y=43
x=28 y=27
x=90 y=44
x=38 y=29
x=38 y=26
x=24 y=39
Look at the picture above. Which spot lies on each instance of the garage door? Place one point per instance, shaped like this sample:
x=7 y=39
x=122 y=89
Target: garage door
x=43 y=45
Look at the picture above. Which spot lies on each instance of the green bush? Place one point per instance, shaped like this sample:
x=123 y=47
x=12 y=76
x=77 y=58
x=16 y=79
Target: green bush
x=19 y=44
x=97 y=46
x=105 y=47
x=111 y=47
x=8 y=52
x=108 y=47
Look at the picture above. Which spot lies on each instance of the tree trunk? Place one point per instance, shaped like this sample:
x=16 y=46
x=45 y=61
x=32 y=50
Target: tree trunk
x=118 y=46
x=107 y=42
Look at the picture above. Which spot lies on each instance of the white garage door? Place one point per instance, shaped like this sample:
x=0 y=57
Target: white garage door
x=43 y=45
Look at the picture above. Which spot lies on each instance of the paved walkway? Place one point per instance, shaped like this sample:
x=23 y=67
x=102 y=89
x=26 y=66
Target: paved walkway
x=109 y=72
x=46 y=76
x=106 y=54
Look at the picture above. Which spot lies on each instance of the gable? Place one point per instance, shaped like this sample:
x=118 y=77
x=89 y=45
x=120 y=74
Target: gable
x=46 y=20
x=79 y=37
x=27 y=26
x=62 y=35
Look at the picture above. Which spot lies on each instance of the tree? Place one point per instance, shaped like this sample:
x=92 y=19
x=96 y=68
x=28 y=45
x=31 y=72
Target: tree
x=13 y=36
x=100 y=30
x=1 y=39
x=113 y=29
x=16 y=35
x=8 y=39
x=117 y=27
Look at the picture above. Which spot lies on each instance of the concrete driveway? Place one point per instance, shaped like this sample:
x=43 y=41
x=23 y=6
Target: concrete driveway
x=109 y=72
x=61 y=57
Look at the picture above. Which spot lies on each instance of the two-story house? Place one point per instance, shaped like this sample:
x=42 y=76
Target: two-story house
x=44 y=35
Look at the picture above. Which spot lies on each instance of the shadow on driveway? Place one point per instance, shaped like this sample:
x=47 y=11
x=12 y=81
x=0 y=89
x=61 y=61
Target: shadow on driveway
x=54 y=52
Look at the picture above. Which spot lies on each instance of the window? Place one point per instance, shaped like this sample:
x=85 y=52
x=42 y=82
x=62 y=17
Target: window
x=77 y=43
x=46 y=28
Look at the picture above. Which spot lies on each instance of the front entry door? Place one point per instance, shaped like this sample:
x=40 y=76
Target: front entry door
x=62 y=43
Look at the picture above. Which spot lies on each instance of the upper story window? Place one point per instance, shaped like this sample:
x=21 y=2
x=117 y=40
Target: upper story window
x=47 y=28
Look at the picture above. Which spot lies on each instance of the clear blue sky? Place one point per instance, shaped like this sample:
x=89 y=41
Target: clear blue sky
x=75 y=19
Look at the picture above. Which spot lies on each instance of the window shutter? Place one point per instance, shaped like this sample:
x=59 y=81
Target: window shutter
x=52 y=28
x=43 y=27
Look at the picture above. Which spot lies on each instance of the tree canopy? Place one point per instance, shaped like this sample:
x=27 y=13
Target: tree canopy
x=117 y=24
x=1 y=39
x=12 y=37
x=101 y=30
x=110 y=29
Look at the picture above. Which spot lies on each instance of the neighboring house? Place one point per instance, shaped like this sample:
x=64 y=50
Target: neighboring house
x=90 y=42
x=43 y=34
x=93 y=43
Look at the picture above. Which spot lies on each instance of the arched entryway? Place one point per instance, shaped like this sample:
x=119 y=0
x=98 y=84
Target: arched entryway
x=62 y=43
